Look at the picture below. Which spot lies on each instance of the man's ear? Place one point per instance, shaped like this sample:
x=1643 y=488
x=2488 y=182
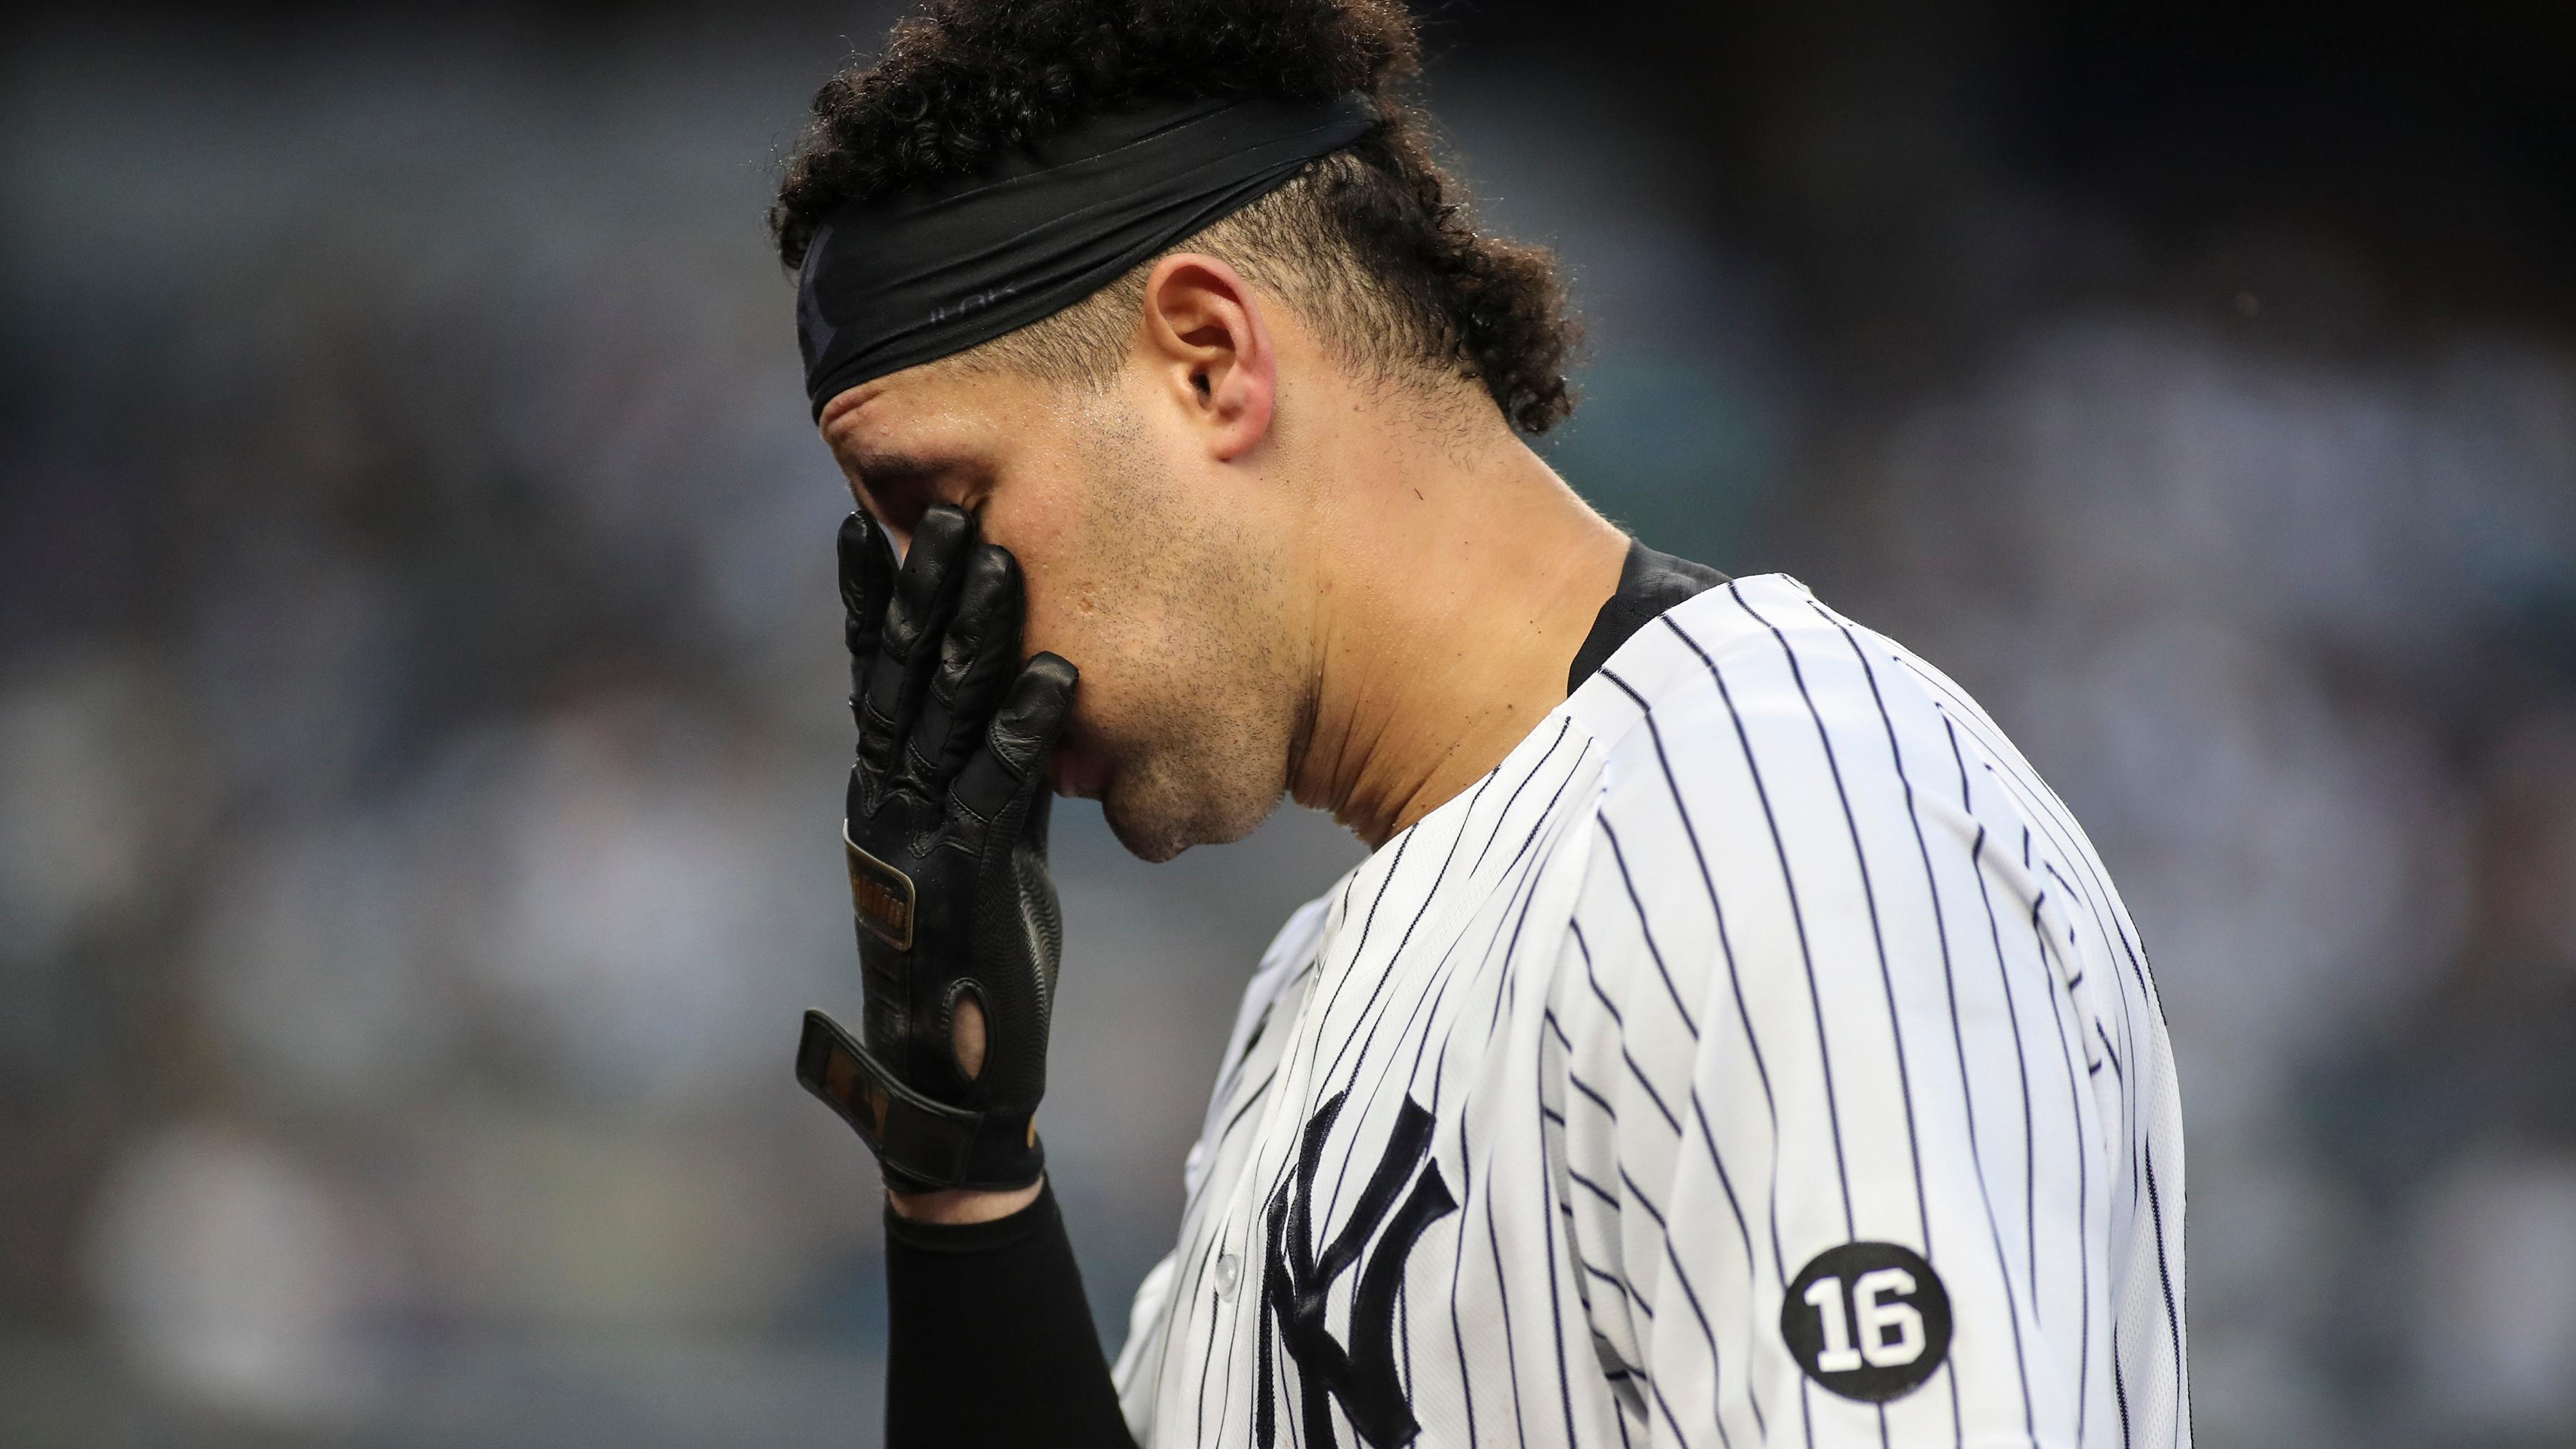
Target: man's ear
x=1211 y=349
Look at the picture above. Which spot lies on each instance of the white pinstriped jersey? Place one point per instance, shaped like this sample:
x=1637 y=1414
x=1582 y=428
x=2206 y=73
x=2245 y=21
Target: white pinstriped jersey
x=1760 y=1054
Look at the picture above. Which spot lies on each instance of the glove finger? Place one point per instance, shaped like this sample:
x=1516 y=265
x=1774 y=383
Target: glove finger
x=1033 y=826
x=908 y=646
x=1021 y=739
x=867 y=582
x=978 y=655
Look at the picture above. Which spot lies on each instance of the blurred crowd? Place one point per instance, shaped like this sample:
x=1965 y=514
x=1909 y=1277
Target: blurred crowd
x=421 y=735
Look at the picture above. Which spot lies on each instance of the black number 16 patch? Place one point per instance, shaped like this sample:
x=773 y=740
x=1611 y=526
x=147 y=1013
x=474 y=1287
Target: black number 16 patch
x=1870 y=1321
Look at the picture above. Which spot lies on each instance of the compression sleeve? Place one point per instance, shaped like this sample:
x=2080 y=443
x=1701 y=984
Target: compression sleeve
x=992 y=1340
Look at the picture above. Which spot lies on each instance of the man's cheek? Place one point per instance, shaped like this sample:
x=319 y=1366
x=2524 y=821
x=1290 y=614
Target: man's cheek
x=1045 y=630
x=1080 y=636
x=1064 y=616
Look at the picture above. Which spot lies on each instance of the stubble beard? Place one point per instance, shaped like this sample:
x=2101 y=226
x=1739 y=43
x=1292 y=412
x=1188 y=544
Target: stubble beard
x=1201 y=754
x=1207 y=769
x=1205 y=759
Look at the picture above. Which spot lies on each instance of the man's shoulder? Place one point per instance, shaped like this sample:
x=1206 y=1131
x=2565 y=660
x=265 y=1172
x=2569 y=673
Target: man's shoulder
x=1750 y=649
x=1756 y=671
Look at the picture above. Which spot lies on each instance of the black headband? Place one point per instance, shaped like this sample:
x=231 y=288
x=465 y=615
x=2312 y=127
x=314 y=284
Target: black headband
x=898 y=280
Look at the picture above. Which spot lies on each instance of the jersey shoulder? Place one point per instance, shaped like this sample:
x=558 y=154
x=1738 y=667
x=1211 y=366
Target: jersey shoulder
x=1755 y=702
x=1754 y=666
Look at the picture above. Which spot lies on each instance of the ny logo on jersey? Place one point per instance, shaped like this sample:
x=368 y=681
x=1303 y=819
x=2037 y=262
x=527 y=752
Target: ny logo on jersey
x=1297 y=1282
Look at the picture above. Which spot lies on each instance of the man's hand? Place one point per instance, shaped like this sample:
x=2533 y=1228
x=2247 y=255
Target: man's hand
x=959 y=935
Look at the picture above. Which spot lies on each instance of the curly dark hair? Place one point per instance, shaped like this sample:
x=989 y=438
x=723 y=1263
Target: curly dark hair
x=1375 y=241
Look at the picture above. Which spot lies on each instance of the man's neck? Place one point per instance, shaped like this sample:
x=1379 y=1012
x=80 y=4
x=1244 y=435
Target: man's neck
x=1458 y=590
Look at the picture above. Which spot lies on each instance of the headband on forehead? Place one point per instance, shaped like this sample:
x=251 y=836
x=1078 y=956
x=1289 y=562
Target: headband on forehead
x=897 y=280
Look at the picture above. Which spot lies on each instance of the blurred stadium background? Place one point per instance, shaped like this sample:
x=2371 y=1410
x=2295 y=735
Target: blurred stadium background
x=420 y=719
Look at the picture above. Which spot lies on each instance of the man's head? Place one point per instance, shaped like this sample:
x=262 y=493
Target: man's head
x=1171 y=457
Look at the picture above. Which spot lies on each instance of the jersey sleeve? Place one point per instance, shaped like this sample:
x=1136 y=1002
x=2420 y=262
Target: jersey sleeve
x=1832 y=1157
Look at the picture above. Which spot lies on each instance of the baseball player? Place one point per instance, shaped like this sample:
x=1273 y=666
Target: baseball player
x=1730 y=1040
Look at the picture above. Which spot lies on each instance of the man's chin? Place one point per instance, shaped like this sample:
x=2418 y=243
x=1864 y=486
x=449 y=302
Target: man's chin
x=1156 y=830
x=1150 y=835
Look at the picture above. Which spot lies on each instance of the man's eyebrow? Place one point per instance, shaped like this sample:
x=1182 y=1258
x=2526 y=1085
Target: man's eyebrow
x=865 y=459
x=877 y=464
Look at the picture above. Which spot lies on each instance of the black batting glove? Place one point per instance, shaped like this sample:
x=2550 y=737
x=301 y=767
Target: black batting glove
x=946 y=838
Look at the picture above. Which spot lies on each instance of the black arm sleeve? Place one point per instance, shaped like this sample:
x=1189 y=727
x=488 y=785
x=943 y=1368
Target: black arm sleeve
x=992 y=1341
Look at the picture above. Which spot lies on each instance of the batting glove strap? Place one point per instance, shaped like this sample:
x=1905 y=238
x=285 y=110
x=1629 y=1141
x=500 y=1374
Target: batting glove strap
x=921 y=1145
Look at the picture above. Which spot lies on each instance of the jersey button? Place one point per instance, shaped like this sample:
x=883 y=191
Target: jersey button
x=1229 y=1276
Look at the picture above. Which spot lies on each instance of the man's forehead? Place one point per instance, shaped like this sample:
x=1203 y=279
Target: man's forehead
x=882 y=425
x=927 y=434
x=932 y=403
